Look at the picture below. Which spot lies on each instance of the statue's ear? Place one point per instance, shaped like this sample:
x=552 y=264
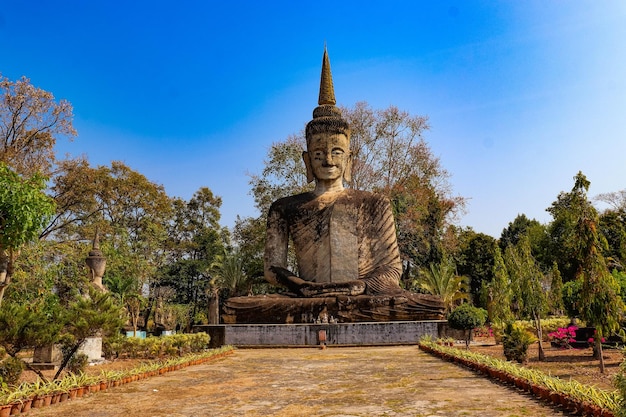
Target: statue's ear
x=307 y=163
x=347 y=173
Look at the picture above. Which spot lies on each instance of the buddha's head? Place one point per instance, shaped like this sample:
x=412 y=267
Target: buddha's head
x=327 y=135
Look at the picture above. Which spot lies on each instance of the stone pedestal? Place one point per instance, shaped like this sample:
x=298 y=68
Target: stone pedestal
x=92 y=347
x=340 y=334
x=279 y=309
x=47 y=357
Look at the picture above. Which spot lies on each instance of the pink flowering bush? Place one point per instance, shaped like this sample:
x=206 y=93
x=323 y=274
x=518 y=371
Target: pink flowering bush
x=563 y=337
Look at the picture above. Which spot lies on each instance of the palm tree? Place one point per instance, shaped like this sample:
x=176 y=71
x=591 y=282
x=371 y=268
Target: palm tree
x=441 y=280
x=227 y=273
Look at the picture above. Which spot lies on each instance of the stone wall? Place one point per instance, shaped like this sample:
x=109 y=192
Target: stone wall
x=340 y=334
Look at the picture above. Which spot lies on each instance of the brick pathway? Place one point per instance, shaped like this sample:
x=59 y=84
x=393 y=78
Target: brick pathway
x=346 y=382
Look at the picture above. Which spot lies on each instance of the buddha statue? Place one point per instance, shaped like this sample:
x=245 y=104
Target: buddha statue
x=345 y=241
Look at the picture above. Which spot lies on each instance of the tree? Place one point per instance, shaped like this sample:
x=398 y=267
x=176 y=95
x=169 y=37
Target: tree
x=600 y=302
x=30 y=123
x=27 y=326
x=612 y=226
x=536 y=233
x=555 y=296
x=249 y=238
x=475 y=259
x=526 y=278
x=130 y=213
x=195 y=240
x=566 y=211
x=467 y=317
x=498 y=292
x=24 y=210
x=126 y=291
x=441 y=280
x=390 y=156
x=95 y=314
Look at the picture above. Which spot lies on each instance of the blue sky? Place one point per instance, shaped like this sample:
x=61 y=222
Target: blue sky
x=520 y=95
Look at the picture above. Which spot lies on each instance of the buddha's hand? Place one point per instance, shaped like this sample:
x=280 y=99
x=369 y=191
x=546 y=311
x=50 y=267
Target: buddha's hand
x=286 y=278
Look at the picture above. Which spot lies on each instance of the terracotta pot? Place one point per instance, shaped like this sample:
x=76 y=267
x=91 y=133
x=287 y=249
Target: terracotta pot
x=104 y=385
x=80 y=392
x=56 y=398
x=37 y=402
x=64 y=396
x=5 y=410
x=16 y=408
x=26 y=405
x=73 y=393
x=571 y=404
x=544 y=393
x=47 y=400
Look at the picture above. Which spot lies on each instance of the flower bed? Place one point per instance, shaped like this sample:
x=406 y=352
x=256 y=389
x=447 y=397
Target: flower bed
x=39 y=394
x=571 y=395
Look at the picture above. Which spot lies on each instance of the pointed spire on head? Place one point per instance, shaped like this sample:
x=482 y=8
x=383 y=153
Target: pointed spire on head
x=326 y=116
x=96 y=240
x=95 y=248
x=327 y=91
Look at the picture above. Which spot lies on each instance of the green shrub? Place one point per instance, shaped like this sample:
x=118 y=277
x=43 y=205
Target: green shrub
x=10 y=371
x=547 y=325
x=78 y=363
x=155 y=347
x=467 y=317
x=515 y=342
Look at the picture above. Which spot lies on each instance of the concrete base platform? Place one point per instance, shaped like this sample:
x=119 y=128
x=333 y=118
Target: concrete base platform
x=336 y=334
x=42 y=366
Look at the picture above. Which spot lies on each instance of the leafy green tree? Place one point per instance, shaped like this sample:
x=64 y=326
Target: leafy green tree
x=24 y=210
x=249 y=238
x=31 y=121
x=534 y=231
x=475 y=259
x=196 y=240
x=441 y=280
x=566 y=212
x=600 y=302
x=130 y=213
x=555 y=295
x=227 y=274
x=93 y=315
x=516 y=229
x=612 y=226
x=127 y=292
x=526 y=278
x=498 y=292
x=571 y=297
x=227 y=270
x=28 y=326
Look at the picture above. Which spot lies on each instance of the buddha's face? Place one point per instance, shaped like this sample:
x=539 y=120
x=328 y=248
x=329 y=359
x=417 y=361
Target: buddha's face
x=329 y=155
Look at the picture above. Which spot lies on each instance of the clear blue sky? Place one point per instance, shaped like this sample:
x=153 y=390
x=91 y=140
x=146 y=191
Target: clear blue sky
x=520 y=95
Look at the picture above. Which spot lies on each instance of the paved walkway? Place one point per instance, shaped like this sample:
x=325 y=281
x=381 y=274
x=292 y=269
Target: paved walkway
x=346 y=382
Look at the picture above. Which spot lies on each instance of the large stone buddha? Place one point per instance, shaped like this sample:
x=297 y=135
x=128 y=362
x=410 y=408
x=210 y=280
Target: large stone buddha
x=345 y=243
